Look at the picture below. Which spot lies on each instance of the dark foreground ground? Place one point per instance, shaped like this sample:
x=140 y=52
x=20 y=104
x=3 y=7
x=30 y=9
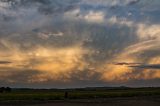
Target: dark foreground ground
x=110 y=102
x=82 y=97
x=126 y=101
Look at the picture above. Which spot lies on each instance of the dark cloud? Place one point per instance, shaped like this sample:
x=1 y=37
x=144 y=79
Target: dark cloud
x=5 y=62
x=147 y=66
x=132 y=2
x=138 y=65
x=43 y=6
x=124 y=63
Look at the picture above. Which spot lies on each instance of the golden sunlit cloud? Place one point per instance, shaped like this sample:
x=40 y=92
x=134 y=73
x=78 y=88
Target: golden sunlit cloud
x=54 y=63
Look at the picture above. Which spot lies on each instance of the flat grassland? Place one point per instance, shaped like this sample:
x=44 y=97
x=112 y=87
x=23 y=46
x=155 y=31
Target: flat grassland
x=80 y=97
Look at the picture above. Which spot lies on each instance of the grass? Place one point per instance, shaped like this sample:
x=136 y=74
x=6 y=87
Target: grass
x=30 y=94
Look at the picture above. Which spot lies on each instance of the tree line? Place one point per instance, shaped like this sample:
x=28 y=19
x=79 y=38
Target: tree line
x=5 y=89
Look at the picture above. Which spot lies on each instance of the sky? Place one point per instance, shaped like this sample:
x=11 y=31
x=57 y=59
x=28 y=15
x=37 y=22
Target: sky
x=79 y=43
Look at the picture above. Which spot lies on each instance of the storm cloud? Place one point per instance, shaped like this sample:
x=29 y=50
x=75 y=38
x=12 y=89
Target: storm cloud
x=79 y=43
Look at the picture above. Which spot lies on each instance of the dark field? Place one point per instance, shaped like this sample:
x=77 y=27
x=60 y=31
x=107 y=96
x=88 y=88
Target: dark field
x=82 y=97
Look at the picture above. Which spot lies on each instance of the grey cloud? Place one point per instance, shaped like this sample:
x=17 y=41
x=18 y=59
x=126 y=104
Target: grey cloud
x=57 y=6
x=143 y=83
x=109 y=40
x=24 y=77
x=16 y=77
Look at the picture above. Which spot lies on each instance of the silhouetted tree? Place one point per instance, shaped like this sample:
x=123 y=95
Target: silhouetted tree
x=5 y=89
x=8 y=89
x=2 y=89
x=66 y=94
